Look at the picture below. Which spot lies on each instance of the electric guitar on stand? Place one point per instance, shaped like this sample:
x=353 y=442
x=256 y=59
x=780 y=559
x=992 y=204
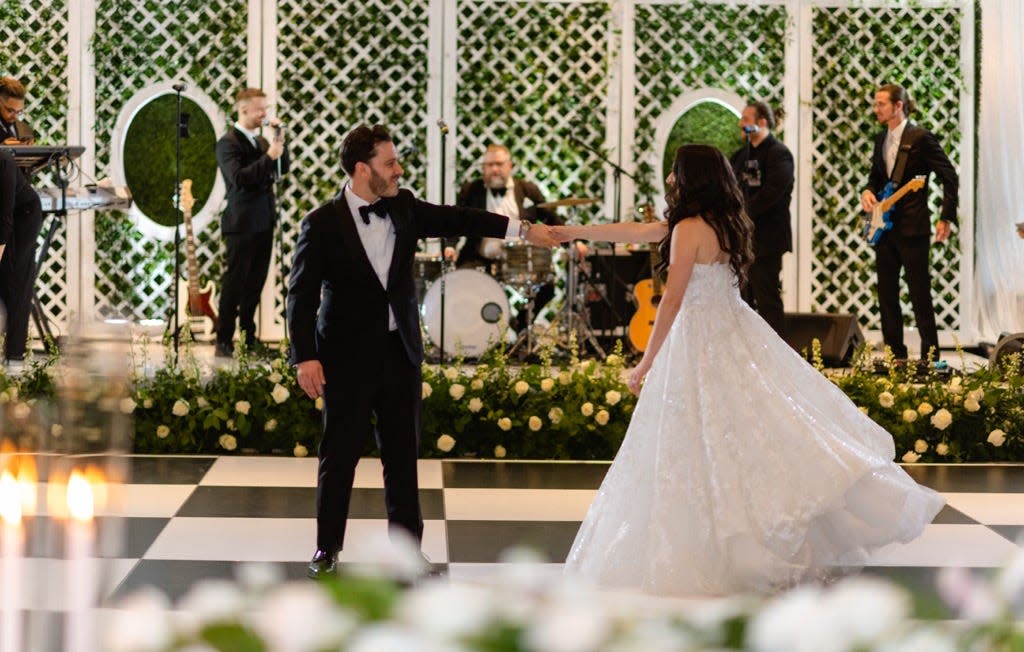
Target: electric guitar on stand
x=198 y=310
x=880 y=219
x=647 y=294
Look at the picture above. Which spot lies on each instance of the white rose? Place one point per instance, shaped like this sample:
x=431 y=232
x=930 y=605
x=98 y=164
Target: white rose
x=587 y=409
x=997 y=438
x=243 y=407
x=300 y=451
x=505 y=423
x=21 y=411
x=885 y=399
x=57 y=430
x=499 y=451
x=910 y=457
x=925 y=409
x=445 y=443
x=920 y=446
x=231 y=424
x=319 y=403
x=910 y=416
x=457 y=391
x=601 y=417
x=564 y=377
x=863 y=409
x=162 y=431
x=427 y=390
x=954 y=386
x=475 y=405
x=535 y=423
x=477 y=384
x=147 y=403
x=613 y=360
x=555 y=414
x=270 y=425
x=971 y=405
x=228 y=442
x=611 y=397
x=127 y=405
x=451 y=373
x=942 y=418
x=942 y=449
x=585 y=365
x=275 y=377
x=279 y=394
x=521 y=387
x=202 y=402
x=180 y=408
x=547 y=384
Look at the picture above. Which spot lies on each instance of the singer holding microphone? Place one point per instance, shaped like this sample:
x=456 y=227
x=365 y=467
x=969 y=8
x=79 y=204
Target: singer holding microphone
x=764 y=168
x=250 y=164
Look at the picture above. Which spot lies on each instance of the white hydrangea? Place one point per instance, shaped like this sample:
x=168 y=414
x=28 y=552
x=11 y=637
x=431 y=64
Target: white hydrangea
x=180 y=408
x=942 y=418
x=457 y=391
x=475 y=405
x=587 y=409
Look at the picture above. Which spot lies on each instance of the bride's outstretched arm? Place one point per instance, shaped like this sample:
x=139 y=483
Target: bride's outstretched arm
x=614 y=232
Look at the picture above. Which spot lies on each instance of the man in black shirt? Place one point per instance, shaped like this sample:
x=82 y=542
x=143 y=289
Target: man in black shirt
x=764 y=169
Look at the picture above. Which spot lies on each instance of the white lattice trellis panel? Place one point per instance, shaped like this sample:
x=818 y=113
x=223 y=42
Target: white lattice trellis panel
x=855 y=49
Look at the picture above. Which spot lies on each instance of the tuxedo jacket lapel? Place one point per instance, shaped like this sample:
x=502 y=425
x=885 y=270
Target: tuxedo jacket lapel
x=350 y=237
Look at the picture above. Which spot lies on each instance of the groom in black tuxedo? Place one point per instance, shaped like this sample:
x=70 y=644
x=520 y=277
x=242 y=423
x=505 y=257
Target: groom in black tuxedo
x=354 y=321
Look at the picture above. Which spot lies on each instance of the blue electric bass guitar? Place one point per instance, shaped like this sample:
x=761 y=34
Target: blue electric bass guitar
x=879 y=220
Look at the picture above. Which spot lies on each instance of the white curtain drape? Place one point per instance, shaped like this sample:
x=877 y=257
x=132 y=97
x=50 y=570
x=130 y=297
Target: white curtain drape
x=999 y=266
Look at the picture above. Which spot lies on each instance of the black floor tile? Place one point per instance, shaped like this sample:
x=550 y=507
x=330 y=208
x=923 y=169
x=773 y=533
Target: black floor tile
x=964 y=478
x=523 y=475
x=116 y=537
x=485 y=541
x=1014 y=533
x=293 y=502
x=921 y=581
x=167 y=470
x=948 y=515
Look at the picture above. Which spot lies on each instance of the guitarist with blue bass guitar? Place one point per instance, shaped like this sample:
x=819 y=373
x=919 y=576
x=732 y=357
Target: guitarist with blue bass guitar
x=905 y=154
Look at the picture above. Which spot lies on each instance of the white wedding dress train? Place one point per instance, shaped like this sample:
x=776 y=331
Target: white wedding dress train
x=743 y=468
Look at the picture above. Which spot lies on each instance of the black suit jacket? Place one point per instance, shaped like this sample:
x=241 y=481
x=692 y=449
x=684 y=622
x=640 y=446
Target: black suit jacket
x=249 y=175
x=22 y=131
x=351 y=329
x=911 y=215
x=474 y=195
x=17 y=198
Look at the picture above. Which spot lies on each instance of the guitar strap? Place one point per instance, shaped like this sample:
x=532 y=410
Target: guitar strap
x=909 y=140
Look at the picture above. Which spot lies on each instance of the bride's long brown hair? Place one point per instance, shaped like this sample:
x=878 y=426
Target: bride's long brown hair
x=706 y=187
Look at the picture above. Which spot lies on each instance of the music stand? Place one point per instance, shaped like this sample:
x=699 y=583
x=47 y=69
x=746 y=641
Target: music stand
x=32 y=159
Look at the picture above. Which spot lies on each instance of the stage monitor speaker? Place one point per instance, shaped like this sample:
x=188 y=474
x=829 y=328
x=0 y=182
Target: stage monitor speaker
x=839 y=335
x=609 y=288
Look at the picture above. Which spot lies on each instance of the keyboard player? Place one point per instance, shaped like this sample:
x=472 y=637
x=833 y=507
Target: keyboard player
x=21 y=220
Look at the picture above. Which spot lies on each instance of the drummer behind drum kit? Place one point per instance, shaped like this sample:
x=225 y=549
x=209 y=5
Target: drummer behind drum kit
x=476 y=312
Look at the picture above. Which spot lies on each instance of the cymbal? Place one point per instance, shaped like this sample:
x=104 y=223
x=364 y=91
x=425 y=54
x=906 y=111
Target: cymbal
x=569 y=201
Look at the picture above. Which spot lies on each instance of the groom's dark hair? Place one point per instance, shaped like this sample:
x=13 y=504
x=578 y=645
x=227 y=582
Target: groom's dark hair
x=360 y=145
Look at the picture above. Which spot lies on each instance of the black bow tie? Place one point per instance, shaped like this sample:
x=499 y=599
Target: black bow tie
x=377 y=207
x=500 y=192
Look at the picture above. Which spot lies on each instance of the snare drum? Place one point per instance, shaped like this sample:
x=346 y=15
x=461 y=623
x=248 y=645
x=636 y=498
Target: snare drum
x=524 y=264
x=475 y=310
x=425 y=268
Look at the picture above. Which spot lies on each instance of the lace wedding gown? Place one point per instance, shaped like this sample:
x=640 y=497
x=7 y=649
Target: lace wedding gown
x=743 y=469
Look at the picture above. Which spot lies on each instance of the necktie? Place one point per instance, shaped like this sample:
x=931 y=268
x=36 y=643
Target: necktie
x=377 y=207
x=499 y=192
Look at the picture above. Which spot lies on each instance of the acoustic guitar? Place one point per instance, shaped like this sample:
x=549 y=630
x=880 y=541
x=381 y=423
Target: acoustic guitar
x=647 y=295
x=198 y=310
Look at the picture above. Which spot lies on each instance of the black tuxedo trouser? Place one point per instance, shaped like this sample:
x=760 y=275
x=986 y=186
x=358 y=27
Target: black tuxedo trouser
x=16 y=270
x=893 y=253
x=764 y=291
x=247 y=260
x=392 y=392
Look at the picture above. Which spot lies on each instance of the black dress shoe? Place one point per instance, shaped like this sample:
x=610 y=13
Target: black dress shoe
x=224 y=350
x=322 y=564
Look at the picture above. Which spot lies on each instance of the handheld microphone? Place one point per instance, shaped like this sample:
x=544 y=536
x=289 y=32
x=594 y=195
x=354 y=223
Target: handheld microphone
x=443 y=125
x=750 y=129
x=179 y=86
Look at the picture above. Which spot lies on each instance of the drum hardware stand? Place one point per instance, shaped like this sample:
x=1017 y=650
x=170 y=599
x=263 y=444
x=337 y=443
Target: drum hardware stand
x=573 y=320
x=527 y=335
x=443 y=126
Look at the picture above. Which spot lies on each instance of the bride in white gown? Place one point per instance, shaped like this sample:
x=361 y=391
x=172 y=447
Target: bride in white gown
x=743 y=468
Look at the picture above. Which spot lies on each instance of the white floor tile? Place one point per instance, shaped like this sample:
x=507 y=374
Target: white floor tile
x=991 y=509
x=370 y=474
x=141 y=500
x=262 y=472
x=364 y=538
x=517 y=504
x=44 y=582
x=948 y=545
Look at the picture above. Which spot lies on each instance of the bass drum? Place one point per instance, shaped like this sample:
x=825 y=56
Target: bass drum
x=475 y=310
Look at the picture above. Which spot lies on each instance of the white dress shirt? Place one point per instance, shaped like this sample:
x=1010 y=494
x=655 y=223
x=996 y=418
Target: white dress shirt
x=892 y=145
x=378 y=238
x=493 y=248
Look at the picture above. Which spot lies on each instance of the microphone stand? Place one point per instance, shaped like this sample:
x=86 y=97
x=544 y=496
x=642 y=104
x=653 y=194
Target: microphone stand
x=181 y=131
x=278 y=185
x=444 y=141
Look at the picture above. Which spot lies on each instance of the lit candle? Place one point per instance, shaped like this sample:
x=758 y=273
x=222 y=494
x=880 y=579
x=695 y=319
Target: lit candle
x=80 y=634
x=13 y=544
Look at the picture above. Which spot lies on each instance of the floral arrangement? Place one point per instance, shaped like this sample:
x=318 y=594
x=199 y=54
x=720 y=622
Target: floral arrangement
x=525 y=609
x=579 y=410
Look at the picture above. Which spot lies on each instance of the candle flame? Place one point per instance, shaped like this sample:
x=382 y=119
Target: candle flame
x=10 y=499
x=80 y=497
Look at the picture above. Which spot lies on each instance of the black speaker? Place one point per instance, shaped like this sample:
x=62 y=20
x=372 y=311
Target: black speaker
x=608 y=287
x=839 y=335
